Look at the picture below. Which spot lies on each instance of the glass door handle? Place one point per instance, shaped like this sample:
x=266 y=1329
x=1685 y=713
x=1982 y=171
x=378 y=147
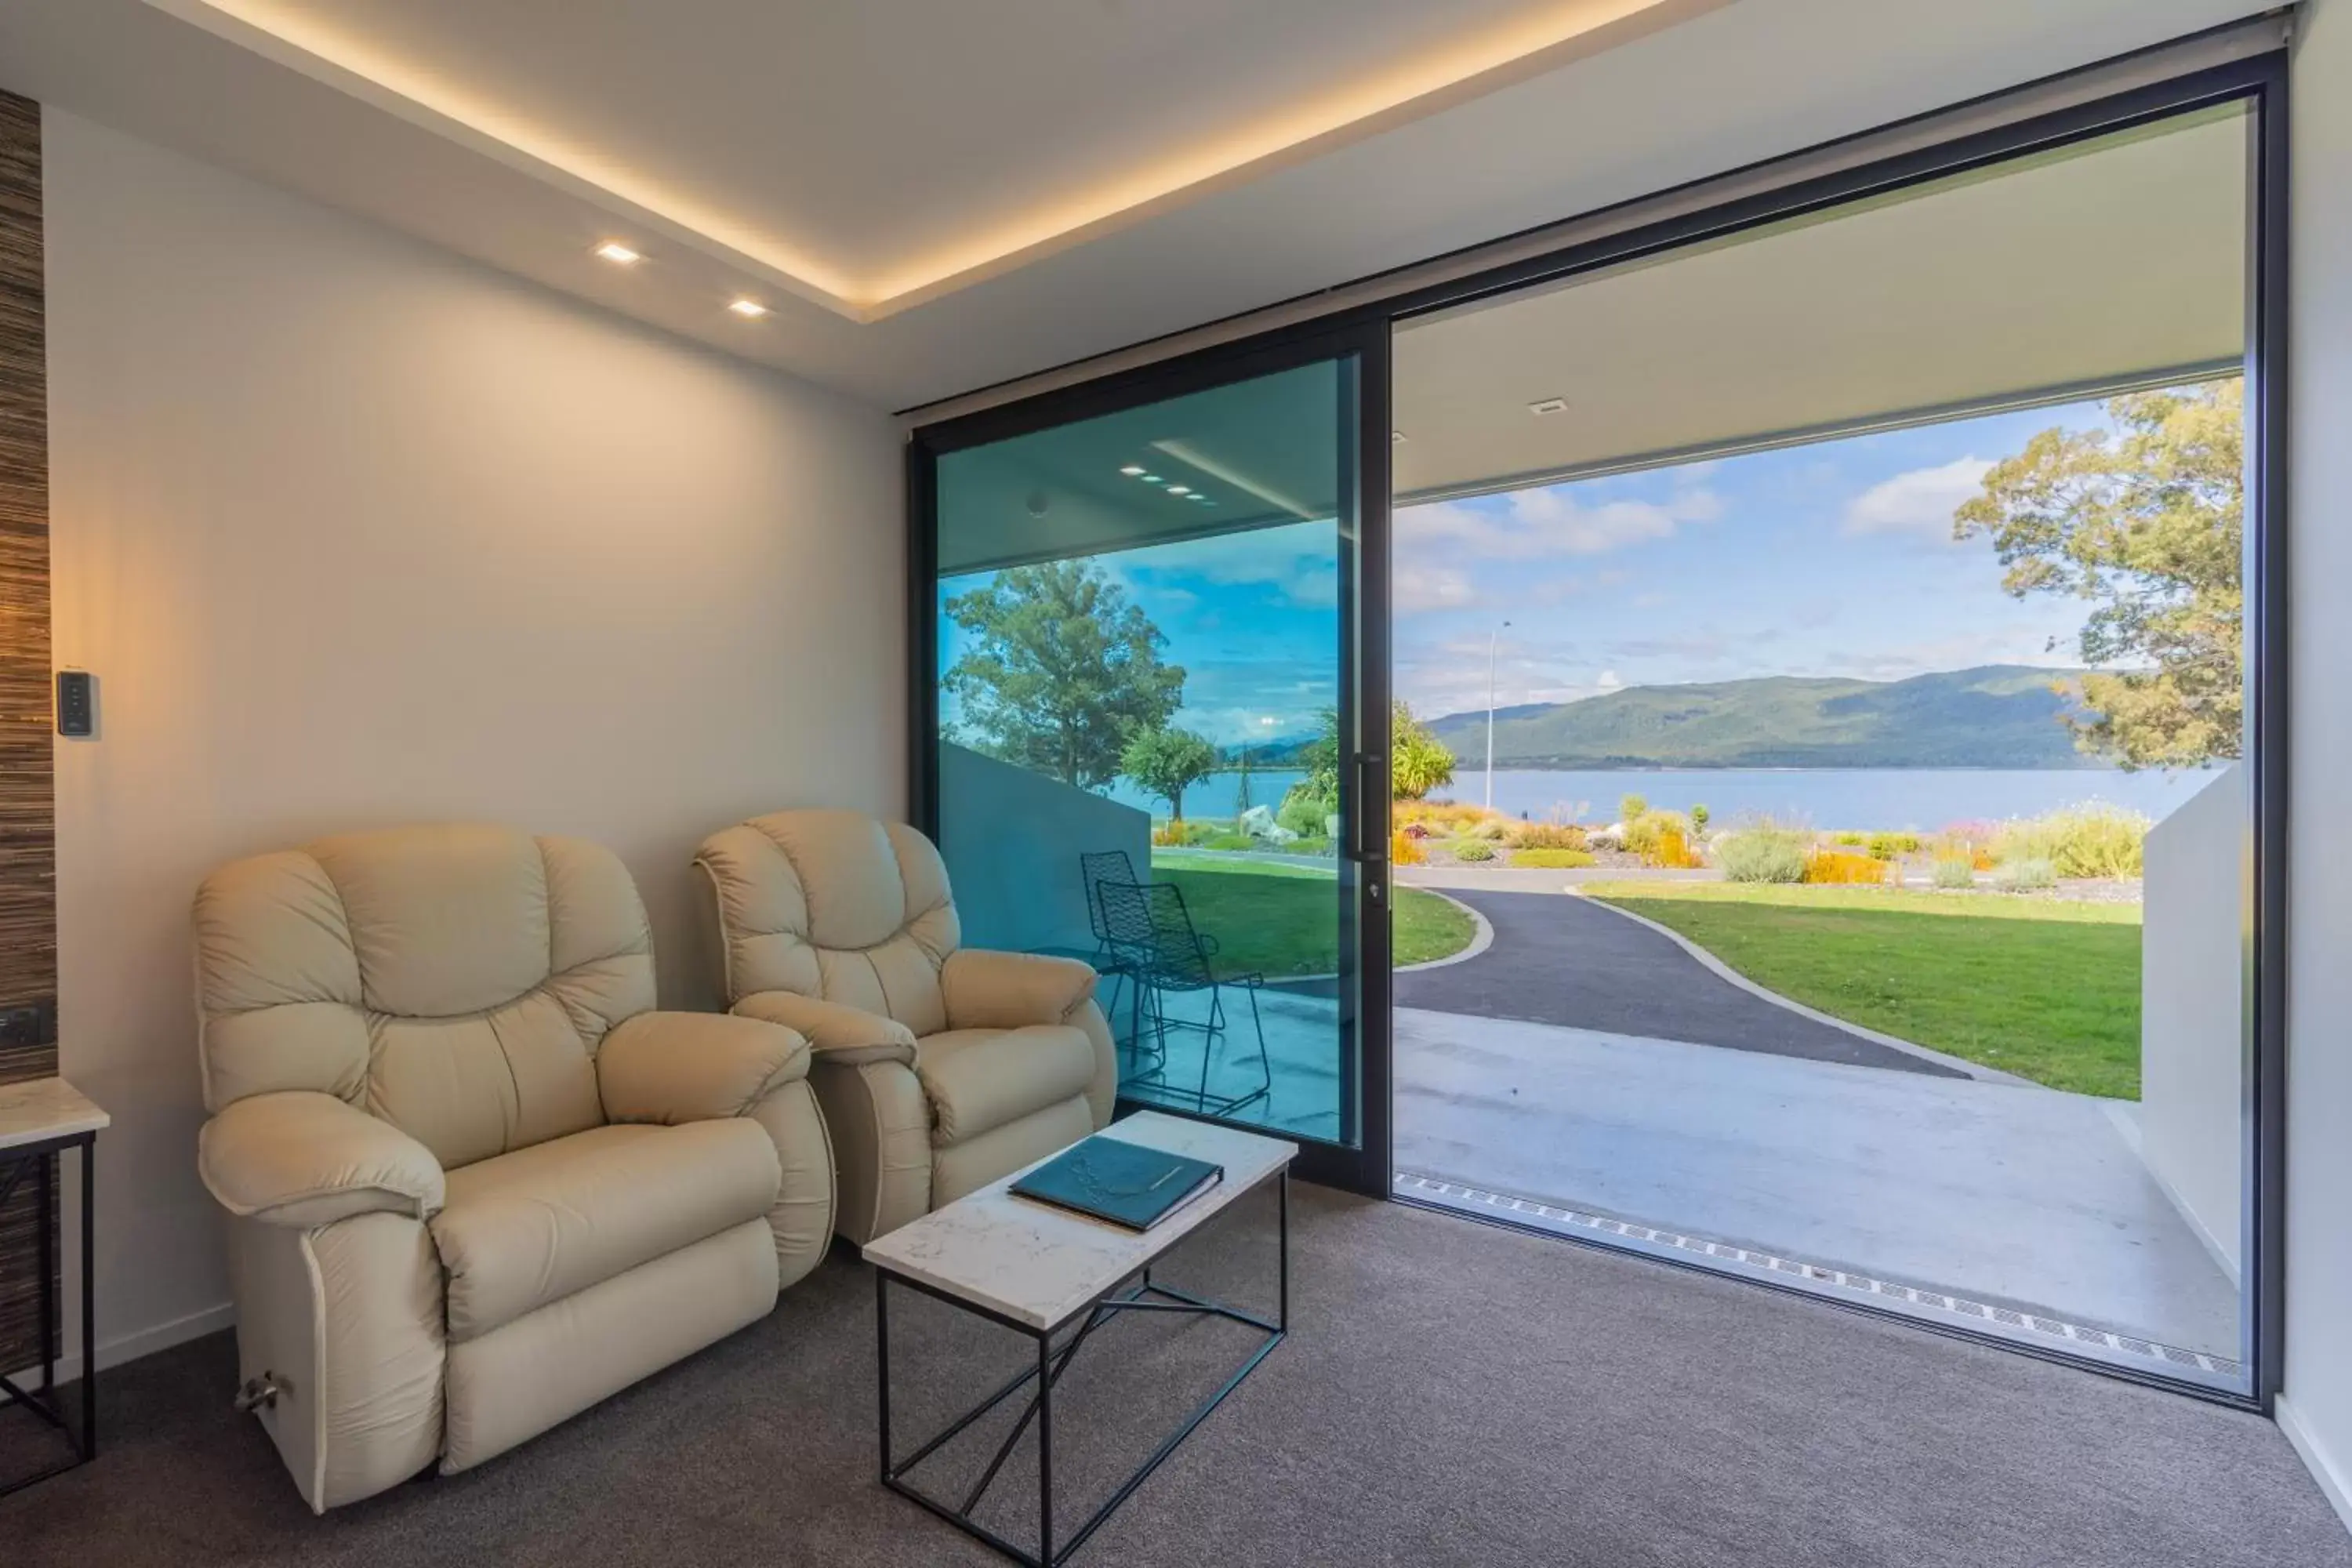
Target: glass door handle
x=1369 y=846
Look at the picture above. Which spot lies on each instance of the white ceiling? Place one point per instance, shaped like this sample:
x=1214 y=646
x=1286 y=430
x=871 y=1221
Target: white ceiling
x=933 y=194
x=2113 y=262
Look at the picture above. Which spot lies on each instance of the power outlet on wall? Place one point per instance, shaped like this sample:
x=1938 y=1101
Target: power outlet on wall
x=33 y=1024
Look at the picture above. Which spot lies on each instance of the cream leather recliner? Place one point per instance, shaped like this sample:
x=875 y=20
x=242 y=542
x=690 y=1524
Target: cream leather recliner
x=940 y=1067
x=476 y=1182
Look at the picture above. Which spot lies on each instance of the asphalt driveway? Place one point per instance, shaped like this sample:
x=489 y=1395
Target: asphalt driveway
x=1566 y=960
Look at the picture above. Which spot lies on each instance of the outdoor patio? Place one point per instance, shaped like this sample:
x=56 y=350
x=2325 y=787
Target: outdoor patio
x=1630 y=1094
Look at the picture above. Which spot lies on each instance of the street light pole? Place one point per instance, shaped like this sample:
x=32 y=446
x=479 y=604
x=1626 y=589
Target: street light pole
x=1492 y=638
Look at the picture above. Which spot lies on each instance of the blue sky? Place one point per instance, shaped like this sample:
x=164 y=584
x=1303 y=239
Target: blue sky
x=1832 y=558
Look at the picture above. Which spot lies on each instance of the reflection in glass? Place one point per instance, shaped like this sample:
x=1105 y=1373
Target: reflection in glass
x=1140 y=657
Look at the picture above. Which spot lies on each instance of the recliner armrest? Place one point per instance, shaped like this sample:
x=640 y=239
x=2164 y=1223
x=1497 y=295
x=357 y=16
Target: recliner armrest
x=987 y=990
x=839 y=1034
x=669 y=1067
x=302 y=1159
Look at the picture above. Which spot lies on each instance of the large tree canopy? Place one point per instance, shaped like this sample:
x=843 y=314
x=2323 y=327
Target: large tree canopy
x=1061 y=669
x=2147 y=523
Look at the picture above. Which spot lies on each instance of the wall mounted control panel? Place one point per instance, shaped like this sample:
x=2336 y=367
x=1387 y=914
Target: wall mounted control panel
x=77 y=703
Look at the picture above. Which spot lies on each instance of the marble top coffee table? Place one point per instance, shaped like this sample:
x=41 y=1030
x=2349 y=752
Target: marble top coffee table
x=1037 y=1270
x=40 y=1118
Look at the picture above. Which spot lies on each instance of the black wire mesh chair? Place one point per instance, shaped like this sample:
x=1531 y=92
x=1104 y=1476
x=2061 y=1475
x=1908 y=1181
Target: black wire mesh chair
x=1094 y=869
x=1148 y=925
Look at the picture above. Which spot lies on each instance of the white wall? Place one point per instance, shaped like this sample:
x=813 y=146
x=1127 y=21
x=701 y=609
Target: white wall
x=2193 y=996
x=355 y=532
x=2316 y=1409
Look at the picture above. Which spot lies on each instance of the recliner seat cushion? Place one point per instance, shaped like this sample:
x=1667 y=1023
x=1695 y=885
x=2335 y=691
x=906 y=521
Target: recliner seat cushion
x=980 y=1080
x=837 y=905
x=524 y=1230
x=455 y=979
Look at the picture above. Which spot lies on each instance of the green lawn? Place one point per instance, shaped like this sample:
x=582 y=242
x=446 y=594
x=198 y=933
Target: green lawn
x=1281 y=919
x=2045 y=989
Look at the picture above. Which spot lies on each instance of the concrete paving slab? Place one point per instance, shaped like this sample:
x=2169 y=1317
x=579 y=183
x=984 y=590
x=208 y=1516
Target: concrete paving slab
x=2020 y=1197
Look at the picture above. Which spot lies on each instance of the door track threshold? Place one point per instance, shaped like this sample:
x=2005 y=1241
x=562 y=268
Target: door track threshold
x=1830 y=1281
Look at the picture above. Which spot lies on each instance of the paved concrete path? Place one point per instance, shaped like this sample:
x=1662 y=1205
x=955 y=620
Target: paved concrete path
x=2027 y=1197
x=1563 y=961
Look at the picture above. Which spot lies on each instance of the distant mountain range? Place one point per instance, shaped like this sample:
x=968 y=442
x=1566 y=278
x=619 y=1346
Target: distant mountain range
x=1278 y=752
x=1998 y=716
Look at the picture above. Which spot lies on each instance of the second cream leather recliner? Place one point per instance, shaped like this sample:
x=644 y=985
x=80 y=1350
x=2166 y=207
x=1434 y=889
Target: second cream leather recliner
x=940 y=1067
x=476 y=1182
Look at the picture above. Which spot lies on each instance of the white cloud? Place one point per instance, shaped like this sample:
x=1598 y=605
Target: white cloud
x=1920 y=502
x=1532 y=524
x=1298 y=563
x=1610 y=680
x=1422 y=587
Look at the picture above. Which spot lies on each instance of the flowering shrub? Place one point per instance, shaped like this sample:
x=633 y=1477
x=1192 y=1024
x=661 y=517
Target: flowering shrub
x=1763 y=851
x=2093 y=839
x=1955 y=872
x=1548 y=836
x=1404 y=847
x=1450 y=818
x=1672 y=850
x=1843 y=866
x=2024 y=876
x=1472 y=849
x=1642 y=833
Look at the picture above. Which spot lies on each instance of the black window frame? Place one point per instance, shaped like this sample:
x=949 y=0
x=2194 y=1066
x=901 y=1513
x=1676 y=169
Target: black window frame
x=2258 y=80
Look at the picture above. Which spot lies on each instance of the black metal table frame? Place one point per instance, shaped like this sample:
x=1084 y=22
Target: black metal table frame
x=46 y=1159
x=1052 y=1363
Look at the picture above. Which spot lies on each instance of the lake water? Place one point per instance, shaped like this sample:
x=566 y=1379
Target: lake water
x=1892 y=799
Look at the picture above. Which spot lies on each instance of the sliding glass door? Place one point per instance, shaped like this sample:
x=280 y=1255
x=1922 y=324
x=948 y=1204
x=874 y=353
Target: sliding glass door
x=1835 y=730
x=1852 y=639
x=1141 y=736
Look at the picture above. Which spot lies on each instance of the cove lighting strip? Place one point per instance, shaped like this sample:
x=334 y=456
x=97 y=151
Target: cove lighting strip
x=1537 y=39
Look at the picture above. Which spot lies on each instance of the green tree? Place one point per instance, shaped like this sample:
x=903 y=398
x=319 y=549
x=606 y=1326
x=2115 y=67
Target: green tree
x=1167 y=763
x=2147 y=524
x=1061 y=669
x=1418 y=761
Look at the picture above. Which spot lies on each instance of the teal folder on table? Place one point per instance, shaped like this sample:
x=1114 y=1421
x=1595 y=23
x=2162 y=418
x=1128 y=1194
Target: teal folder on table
x=1126 y=1184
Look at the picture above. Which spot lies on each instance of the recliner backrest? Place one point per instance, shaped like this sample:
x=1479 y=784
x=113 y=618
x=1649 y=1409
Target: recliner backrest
x=455 y=980
x=837 y=905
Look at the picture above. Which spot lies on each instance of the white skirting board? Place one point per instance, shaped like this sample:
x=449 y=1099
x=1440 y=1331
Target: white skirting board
x=2332 y=1479
x=131 y=1347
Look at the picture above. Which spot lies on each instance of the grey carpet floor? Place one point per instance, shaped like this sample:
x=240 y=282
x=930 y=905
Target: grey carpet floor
x=1568 y=960
x=1452 y=1394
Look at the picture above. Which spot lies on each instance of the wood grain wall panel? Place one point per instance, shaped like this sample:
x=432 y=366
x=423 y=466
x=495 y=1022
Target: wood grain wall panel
x=28 y=949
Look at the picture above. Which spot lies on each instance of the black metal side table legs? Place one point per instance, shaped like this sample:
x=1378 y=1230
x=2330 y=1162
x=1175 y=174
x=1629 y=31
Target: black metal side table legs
x=1052 y=1361
x=45 y=1161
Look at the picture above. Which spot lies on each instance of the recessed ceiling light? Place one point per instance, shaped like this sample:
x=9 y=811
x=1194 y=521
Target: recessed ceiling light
x=749 y=309
x=1132 y=469
x=1149 y=479
x=1179 y=490
x=1549 y=405
x=613 y=250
